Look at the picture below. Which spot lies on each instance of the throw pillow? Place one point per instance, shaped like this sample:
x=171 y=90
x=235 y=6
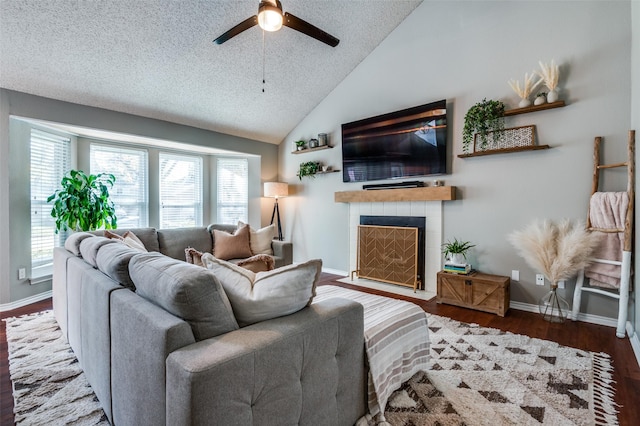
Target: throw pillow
x=128 y=238
x=260 y=240
x=258 y=263
x=193 y=256
x=265 y=295
x=227 y=246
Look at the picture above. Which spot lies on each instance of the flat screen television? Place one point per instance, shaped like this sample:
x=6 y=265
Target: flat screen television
x=401 y=144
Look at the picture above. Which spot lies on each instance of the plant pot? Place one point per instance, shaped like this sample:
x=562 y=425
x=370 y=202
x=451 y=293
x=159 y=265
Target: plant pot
x=552 y=96
x=457 y=258
x=540 y=100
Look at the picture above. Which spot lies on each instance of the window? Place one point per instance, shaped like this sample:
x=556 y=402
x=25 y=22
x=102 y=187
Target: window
x=180 y=191
x=50 y=161
x=129 y=193
x=233 y=190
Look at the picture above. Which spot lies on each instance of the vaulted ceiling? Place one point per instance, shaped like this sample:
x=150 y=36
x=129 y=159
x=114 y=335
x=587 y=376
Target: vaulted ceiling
x=155 y=58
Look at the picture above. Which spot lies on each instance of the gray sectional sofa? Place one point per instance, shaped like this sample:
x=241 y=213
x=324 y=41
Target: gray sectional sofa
x=171 y=352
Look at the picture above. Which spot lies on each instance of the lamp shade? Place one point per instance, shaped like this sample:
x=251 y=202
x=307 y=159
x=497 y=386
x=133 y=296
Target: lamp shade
x=276 y=189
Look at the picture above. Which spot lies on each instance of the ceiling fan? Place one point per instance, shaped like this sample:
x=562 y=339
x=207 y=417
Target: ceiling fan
x=271 y=18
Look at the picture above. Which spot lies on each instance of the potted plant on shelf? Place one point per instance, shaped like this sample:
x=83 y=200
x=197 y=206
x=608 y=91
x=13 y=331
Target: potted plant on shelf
x=482 y=118
x=300 y=145
x=456 y=251
x=83 y=203
x=309 y=168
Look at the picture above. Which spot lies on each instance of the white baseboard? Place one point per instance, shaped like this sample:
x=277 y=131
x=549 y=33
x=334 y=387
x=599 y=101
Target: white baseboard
x=335 y=272
x=593 y=319
x=26 y=301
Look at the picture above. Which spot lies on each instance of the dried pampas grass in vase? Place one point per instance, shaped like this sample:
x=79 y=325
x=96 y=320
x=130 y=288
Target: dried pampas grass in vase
x=550 y=73
x=559 y=251
x=525 y=91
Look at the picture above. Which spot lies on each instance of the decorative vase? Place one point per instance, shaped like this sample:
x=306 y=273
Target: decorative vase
x=539 y=100
x=524 y=102
x=553 y=307
x=552 y=96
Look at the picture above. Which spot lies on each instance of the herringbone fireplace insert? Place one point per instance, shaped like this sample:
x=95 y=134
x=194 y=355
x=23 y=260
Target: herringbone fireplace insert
x=388 y=254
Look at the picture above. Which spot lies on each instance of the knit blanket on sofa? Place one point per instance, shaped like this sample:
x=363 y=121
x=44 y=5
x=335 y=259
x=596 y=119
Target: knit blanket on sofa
x=396 y=342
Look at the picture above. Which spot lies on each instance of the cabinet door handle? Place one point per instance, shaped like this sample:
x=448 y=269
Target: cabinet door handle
x=468 y=282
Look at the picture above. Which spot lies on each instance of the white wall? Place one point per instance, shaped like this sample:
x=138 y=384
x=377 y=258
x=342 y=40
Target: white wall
x=465 y=51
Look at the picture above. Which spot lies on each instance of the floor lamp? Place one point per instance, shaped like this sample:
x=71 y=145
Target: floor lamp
x=276 y=190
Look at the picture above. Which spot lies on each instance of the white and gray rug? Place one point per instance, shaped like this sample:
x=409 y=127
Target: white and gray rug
x=478 y=376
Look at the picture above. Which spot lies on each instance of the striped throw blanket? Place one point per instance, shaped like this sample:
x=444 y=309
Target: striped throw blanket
x=396 y=341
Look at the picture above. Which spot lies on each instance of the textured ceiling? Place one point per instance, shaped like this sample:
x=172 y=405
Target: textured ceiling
x=155 y=58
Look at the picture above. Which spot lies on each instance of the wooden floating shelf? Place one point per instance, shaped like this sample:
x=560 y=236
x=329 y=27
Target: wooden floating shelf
x=504 y=151
x=427 y=193
x=303 y=151
x=533 y=108
x=328 y=171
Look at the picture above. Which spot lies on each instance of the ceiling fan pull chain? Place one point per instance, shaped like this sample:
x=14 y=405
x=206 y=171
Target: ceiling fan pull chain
x=263 y=61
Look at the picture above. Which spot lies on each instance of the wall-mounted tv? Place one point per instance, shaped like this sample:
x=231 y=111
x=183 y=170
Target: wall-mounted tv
x=401 y=144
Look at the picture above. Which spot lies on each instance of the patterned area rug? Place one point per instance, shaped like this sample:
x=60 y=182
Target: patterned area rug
x=478 y=376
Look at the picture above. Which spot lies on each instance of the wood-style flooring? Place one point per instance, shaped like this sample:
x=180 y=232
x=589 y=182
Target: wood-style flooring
x=580 y=335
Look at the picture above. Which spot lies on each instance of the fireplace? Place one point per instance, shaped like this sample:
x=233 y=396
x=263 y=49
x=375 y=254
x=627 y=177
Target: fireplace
x=430 y=213
x=391 y=260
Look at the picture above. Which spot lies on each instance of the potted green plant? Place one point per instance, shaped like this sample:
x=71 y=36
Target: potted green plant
x=482 y=118
x=300 y=145
x=83 y=203
x=456 y=251
x=309 y=168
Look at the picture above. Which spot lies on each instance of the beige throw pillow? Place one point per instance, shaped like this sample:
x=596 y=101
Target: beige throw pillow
x=261 y=296
x=128 y=238
x=261 y=239
x=227 y=246
x=193 y=256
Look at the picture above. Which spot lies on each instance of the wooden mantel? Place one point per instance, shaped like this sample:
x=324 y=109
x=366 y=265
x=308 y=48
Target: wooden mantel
x=428 y=193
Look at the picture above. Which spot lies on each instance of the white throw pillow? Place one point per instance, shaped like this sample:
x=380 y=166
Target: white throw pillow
x=261 y=296
x=260 y=240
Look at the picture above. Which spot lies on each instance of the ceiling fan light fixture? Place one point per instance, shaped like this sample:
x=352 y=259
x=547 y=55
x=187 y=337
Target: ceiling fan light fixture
x=269 y=16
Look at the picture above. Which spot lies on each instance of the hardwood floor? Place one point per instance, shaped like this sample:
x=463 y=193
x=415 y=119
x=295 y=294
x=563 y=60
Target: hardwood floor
x=580 y=335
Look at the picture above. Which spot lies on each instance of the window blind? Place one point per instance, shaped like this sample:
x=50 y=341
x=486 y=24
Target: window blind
x=50 y=161
x=129 y=193
x=180 y=190
x=233 y=190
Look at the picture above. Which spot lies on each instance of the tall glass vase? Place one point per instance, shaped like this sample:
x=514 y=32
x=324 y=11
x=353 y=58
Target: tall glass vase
x=553 y=307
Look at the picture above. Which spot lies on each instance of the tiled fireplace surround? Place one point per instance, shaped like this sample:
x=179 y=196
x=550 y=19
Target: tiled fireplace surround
x=431 y=210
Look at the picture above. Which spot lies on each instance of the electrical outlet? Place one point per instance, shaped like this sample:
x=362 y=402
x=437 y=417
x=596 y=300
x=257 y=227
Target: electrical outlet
x=560 y=284
x=22 y=273
x=539 y=279
x=515 y=275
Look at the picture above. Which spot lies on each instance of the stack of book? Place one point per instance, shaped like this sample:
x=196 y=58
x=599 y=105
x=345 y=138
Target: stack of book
x=457 y=268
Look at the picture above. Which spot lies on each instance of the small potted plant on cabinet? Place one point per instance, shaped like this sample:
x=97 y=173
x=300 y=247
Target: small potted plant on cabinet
x=456 y=251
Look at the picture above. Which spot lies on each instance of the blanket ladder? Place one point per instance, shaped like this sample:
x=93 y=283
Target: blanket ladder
x=622 y=294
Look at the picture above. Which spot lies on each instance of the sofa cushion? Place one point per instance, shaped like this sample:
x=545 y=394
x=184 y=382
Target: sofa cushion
x=113 y=260
x=265 y=295
x=89 y=248
x=173 y=241
x=260 y=239
x=187 y=291
x=257 y=263
x=148 y=236
x=72 y=243
x=227 y=246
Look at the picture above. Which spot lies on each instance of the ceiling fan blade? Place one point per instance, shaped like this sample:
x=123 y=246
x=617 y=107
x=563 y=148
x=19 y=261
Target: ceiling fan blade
x=242 y=26
x=304 y=27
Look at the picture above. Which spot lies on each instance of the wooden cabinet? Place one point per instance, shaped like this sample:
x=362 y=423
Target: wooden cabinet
x=482 y=292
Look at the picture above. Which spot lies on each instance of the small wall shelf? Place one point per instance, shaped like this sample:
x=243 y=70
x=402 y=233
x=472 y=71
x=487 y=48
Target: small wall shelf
x=511 y=112
x=533 y=108
x=319 y=148
x=428 y=193
x=320 y=172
